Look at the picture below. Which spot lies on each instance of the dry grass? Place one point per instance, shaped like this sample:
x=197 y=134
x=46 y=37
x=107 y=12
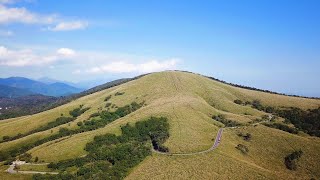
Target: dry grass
x=30 y=167
x=6 y=176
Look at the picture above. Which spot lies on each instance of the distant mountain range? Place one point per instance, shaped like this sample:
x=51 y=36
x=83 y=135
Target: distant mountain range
x=20 y=86
x=12 y=92
x=85 y=84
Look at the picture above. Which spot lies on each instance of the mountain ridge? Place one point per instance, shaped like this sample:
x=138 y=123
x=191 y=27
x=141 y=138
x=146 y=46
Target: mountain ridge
x=55 y=89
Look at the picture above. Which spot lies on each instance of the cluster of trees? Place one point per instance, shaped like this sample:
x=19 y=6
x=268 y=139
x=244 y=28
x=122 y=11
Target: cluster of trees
x=228 y=123
x=105 y=118
x=307 y=121
x=111 y=157
x=78 y=111
x=59 y=121
x=291 y=160
x=256 y=104
x=282 y=127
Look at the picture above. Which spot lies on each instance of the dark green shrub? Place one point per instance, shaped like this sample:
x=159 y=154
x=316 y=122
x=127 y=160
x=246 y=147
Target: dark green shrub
x=291 y=160
x=80 y=123
x=282 y=127
x=238 y=101
x=244 y=149
x=107 y=98
x=108 y=105
x=228 y=123
x=119 y=93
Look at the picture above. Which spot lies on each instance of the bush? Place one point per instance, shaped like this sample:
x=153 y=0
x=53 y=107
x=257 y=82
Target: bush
x=80 y=123
x=6 y=138
x=78 y=111
x=119 y=93
x=238 y=101
x=247 y=137
x=291 y=160
x=25 y=157
x=257 y=105
x=244 y=149
x=108 y=105
x=107 y=98
x=228 y=123
x=4 y=155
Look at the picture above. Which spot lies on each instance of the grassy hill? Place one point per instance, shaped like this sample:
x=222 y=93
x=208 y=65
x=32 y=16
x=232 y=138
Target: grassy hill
x=188 y=101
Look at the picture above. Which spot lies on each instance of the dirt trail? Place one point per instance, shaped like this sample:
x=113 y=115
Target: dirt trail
x=215 y=144
x=11 y=169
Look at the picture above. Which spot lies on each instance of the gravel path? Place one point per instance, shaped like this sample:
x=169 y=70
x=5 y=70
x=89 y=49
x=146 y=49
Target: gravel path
x=215 y=144
x=11 y=169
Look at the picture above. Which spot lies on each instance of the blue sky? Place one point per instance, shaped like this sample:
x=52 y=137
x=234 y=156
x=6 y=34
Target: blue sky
x=266 y=44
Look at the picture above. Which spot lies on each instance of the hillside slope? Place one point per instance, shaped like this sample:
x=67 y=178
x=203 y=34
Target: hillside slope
x=188 y=101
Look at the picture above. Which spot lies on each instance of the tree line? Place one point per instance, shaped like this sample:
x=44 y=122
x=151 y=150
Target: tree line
x=307 y=121
x=59 y=121
x=103 y=119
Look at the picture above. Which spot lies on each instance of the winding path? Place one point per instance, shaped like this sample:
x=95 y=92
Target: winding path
x=215 y=144
x=11 y=169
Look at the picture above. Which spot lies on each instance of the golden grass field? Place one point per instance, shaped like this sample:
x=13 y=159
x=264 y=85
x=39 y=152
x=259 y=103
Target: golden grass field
x=188 y=101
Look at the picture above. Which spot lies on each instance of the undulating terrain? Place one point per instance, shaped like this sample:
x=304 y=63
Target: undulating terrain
x=254 y=145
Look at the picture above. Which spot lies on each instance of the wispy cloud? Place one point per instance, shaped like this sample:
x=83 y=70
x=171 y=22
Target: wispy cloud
x=125 y=67
x=67 y=26
x=22 y=15
x=7 y=1
x=27 y=57
x=10 y=15
x=85 y=62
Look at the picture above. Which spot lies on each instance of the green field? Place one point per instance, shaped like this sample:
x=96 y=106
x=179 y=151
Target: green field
x=188 y=101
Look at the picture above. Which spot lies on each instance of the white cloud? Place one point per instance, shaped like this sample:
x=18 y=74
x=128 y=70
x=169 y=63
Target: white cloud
x=83 y=61
x=146 y=67
x=6 y=33
x=27 y=57
x=7 y=1
x=66 y=52
x=9 y=15
x=22 y=15
x=67 y=26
